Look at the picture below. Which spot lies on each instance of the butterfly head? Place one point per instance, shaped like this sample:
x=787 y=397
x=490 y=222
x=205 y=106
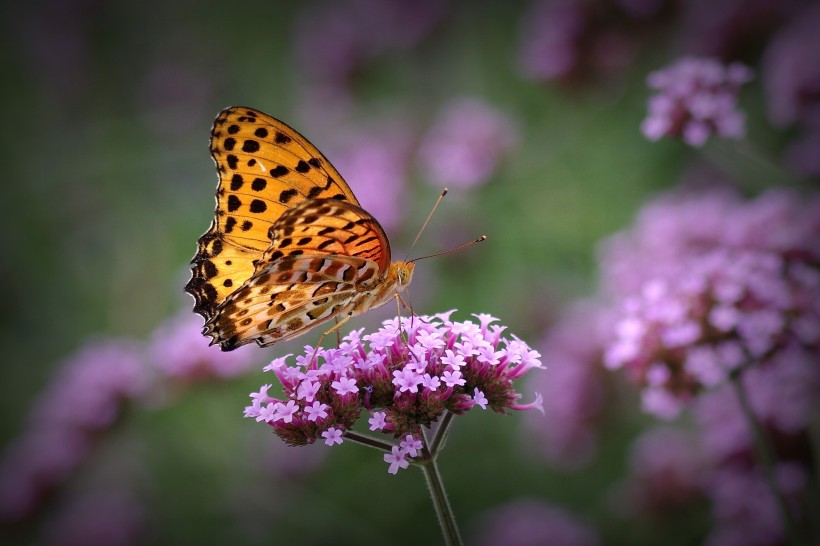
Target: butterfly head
x=403 y=272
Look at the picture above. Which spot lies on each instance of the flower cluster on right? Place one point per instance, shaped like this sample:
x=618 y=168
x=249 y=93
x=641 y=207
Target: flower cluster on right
x=712 y=302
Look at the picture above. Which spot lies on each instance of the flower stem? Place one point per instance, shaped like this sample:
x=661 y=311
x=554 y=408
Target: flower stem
x=767 y=459
x=441 y=433
x=369 y=441
x=444 y=511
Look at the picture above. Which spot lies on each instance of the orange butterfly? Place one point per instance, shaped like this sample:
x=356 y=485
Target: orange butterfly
x=289 y=247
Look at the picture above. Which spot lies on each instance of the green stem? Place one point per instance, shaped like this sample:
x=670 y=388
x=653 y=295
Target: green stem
x=368 y=441
x=444 y=511
x=441 y=433
x=767 y=459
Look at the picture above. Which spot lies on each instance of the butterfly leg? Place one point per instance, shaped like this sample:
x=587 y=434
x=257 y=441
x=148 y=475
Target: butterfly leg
x=338 y=334
x=339 y=324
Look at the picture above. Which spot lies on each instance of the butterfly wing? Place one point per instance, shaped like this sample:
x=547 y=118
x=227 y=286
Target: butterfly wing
x=265 y=168
x=324 y=255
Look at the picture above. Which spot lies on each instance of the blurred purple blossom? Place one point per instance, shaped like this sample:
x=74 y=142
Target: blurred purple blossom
x=83 y=399
x=466 y=143
x=531 y=522
x=179 y=352
x=791 y=74
x=696 y=98
x=402 y=376
x=573 y=385
x=736 y=286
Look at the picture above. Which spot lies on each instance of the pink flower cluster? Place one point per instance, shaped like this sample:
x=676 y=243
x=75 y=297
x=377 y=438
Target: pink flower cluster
x=696 y=98
x=405 y=375
x=720 y=302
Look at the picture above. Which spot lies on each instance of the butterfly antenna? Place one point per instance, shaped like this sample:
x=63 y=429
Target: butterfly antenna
x=456 y=249
x=424 y=226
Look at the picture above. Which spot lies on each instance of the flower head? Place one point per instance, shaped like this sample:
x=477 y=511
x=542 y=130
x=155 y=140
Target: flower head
x=409 y=380
x=697 y=97
x=743 y=287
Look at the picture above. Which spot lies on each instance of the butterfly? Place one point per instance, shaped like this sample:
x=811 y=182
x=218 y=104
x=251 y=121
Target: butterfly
x=289 y=247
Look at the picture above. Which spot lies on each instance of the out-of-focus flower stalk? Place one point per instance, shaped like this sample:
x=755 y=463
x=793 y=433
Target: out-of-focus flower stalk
x=766 y=457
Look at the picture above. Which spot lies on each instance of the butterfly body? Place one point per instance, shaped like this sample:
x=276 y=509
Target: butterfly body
x=289 y=247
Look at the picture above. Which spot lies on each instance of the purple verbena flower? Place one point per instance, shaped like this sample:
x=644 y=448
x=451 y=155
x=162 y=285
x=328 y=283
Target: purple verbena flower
x=397 y=460
x=696 y=98
x=406 y=393
x=711 y=302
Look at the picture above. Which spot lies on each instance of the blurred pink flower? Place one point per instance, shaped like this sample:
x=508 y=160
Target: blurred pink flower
x=734 y=289
x=466 y=143
x=531 y=522
x=696 y=98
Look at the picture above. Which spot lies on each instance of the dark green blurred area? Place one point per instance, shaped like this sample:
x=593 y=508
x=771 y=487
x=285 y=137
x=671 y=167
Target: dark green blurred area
x=108 y=184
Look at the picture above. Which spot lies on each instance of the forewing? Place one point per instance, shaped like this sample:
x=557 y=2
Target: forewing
x=265 y=168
